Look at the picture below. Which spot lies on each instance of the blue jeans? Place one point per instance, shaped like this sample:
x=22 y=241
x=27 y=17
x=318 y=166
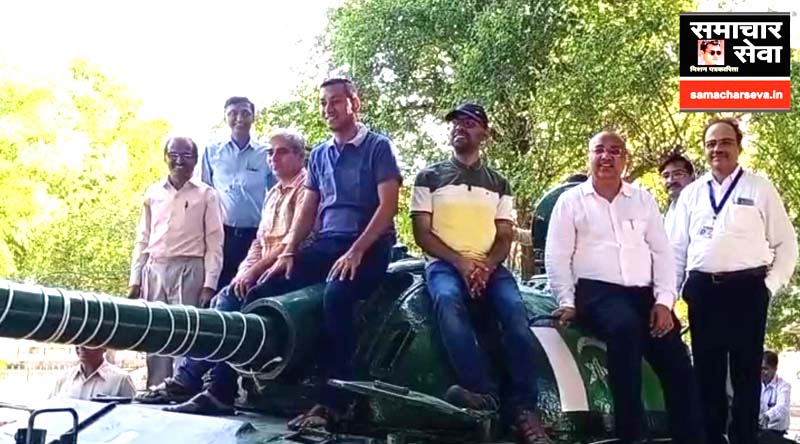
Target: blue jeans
x=504 y=305
x=311 y=266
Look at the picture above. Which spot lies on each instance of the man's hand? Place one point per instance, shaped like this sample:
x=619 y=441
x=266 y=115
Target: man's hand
x=479 y=278
x=134 y=291
x=244 y=282
x=205 y=296
x=660 y=321
x=345 y=267
x=763 y=421
x=283 y=265
x=565 y=315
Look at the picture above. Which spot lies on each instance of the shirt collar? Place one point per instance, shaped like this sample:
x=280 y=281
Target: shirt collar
x=101 y=372
x=357 y=140
x=709 y=177
x=192 y=182
x=298 y=181
x=588 y=188
x=475 y=166
x=251 y=144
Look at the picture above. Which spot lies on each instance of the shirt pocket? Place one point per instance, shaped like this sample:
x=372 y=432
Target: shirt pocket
x=745 y=219
x=634 y=231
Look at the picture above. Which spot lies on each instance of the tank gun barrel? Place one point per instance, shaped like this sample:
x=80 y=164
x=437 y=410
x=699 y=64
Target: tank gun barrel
x=42 y=314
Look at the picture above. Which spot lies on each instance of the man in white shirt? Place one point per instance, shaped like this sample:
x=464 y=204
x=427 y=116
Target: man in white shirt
x=93 y=377
x=677 y=172
x=733 y=238
x=610 y=266
x=776 y=397
x=177 y=255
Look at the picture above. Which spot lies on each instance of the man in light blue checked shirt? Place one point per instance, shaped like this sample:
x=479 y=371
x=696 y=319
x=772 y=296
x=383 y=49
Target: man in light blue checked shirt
x=238 y=170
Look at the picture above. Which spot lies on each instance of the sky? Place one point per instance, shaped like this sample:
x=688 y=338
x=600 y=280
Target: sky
x=184 y=58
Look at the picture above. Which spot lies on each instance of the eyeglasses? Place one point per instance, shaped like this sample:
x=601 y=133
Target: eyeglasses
x=182 y=156
x=612 y=151
x=677 y=174
x=722 y=143
x=713 y=52
x=464 y=123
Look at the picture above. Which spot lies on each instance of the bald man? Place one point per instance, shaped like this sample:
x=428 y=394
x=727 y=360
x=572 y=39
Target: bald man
x=177 y=256
x=625 y=297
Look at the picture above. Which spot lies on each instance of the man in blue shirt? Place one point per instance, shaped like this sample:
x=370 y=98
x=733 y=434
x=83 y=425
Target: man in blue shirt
x=351 y=197
x=238 y=170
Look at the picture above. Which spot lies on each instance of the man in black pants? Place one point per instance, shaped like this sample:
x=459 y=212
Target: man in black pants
x=238 y=169
x=732 y=235
x=607 y=236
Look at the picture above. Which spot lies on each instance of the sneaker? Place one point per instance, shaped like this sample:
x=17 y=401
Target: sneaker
x=529 y=428
x=461 y=397
x=168 y=392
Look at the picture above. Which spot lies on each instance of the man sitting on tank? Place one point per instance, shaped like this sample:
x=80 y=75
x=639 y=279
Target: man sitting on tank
x=286 y=155
x=351 y=193
x=462 y=219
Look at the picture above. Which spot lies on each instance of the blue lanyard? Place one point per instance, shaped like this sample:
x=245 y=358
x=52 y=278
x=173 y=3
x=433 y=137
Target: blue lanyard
x=714 y=206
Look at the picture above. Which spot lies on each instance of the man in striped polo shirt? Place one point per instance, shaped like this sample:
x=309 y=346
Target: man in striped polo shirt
x=462 y=218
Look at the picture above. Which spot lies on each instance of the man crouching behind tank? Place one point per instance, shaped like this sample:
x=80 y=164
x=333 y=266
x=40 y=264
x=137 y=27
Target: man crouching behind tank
x=610 y=266
x=462 y=218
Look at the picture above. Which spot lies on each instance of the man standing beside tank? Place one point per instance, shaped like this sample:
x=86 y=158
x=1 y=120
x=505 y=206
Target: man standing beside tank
x=677 y=172
x=286 y=154
x=237 y=168
x=462 y=218
x=177 y=256
x=610 y=266
x=733 y=238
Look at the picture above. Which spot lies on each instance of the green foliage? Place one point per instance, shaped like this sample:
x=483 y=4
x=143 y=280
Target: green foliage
x=74 y=162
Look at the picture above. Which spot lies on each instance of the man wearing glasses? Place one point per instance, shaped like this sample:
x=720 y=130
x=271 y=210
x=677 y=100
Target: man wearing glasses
x=237 y=168
x=677 y=172
x=177 y=255
x=736 y=247
x=711 y=53
x=461 y=212
x=610 y=267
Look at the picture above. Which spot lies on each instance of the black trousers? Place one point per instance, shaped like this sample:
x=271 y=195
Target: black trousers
x=773 y=437
x=620 y=316
x=727 y=318
x=237 y=243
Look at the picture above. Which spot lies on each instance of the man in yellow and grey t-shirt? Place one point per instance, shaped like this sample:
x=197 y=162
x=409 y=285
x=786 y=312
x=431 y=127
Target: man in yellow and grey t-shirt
x=462 y=218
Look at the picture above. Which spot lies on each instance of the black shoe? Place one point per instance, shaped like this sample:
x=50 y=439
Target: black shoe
x=168 y=392
x=461 y=397
x=203 y=404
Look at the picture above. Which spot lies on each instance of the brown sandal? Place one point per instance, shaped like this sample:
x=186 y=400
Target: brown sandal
x=319 y=416
x=530 y=429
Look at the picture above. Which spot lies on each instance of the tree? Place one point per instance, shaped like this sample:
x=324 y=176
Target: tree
x=551 y=73
x=74 y=161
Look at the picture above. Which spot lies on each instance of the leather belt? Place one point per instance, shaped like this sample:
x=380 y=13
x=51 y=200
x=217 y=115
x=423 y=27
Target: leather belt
x=728 y=276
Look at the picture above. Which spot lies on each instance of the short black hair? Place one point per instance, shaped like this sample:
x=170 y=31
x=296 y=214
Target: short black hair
x=707 y=43
x=728 y=121
x=349 y=86
x=235 y=100
x=674 y=157
x=771 y=358
x=191 y=142
x=579 y=177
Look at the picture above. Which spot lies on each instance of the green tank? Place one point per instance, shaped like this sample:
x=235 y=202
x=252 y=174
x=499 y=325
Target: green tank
x=402 y=369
